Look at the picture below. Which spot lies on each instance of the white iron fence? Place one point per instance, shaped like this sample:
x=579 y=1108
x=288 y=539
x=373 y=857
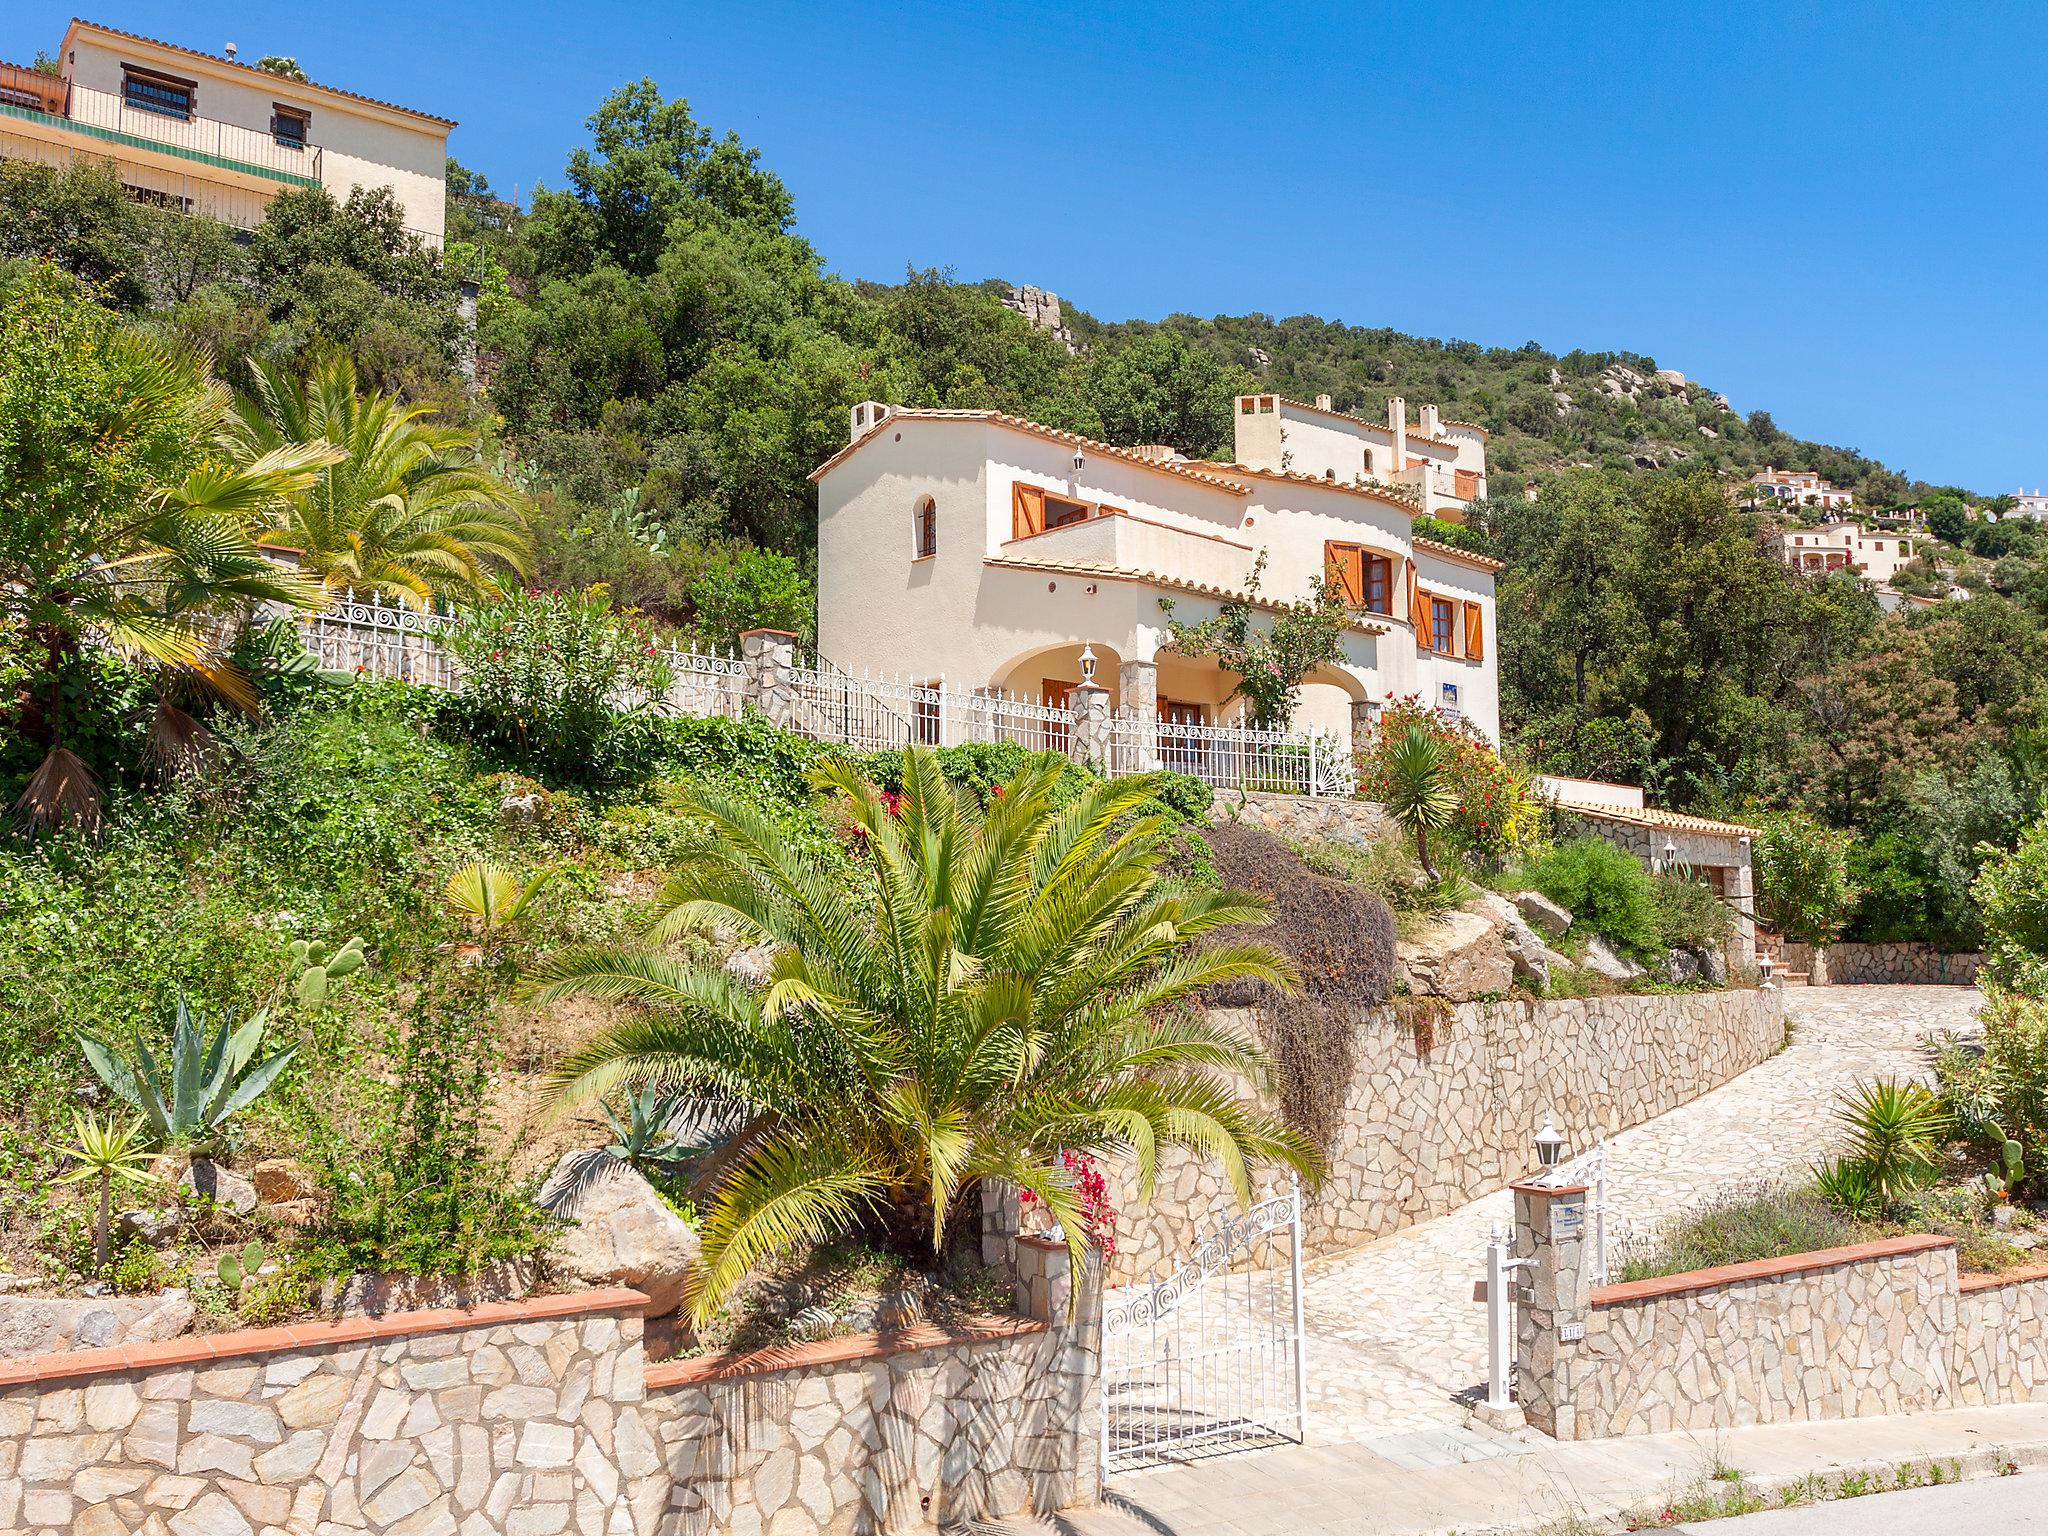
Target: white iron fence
x=377 y=638
x=1208 y=1356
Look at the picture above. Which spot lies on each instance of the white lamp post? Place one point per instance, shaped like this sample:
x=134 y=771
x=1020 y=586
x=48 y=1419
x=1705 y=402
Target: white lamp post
x=1549 y=1144
x=1087 y=663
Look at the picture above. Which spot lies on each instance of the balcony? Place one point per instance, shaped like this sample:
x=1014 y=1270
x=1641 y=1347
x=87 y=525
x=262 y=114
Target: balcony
x=1138 y=546
x=49 y=101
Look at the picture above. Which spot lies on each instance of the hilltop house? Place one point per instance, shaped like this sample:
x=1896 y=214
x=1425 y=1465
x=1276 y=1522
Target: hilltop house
x=1841 y=545
x=988 y=550
x=205 y=134
x=2029 y=504
x=1802 y=487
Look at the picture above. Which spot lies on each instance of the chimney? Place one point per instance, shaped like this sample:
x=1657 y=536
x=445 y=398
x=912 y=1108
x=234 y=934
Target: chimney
x=864 y=417
x=1322 y=402
x=1397 y=423
x=1432 y=421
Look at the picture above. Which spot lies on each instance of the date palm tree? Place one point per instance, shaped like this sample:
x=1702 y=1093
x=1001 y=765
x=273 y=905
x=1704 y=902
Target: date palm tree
x=127 y=520
x=409 y=513
x=999 y=986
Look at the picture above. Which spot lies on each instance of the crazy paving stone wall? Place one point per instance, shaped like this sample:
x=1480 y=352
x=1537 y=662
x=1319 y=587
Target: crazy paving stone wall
x=2001 y=1343
x=1444 y=1100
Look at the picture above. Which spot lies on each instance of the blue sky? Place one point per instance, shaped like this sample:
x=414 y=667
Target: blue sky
x=1835 y=213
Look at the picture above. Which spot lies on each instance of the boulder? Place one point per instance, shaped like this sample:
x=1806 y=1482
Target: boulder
x=1457 y=956
x=1530 y=956
x=279 y=1179
x=1541 y=913
x=1601 y=960
x=623 y=1232
x=226 y=1189
x=1680 y=967
x=159 y=1229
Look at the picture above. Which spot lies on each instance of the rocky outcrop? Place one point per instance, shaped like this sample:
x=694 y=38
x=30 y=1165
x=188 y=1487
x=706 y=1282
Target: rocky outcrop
x=1602 y=960
x=1541 y=913
x=280 y=1179
x=620 y=1231
x=1530 y=956
x=1457 y=956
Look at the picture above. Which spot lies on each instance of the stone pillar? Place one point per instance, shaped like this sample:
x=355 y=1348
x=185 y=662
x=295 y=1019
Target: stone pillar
x=1365 y=724
x=1089 y=743
x=769 y=657
x=1063 y=1459
x=1138 y=686
x=1739 y=886
x=1550 y=1303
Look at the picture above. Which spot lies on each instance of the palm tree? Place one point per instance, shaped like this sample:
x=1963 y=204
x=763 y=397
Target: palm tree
x=1418 y=790
x=126 y=520
x=409 y=513
x=1004 y=988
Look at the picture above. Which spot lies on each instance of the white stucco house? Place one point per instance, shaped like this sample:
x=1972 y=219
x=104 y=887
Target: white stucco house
x=207 y=134
x=988 y=551
x=1841 y=545
x=2029 y=504
x=1802 y=487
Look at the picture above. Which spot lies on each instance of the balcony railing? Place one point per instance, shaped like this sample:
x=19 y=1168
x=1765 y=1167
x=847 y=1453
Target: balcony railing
x=29 y=93
x=1142 y=547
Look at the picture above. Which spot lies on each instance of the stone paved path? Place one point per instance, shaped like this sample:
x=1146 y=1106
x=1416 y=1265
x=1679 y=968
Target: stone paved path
x=1396 y=1342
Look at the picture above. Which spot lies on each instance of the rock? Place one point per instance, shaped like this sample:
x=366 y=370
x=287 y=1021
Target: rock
x=224 y=1188
x=750 y=963
x=95 y=1330
x=1603 y=961
x=1713 y=967
x=373 y=1295
x=1541 y=913
x=1526 y=949
x=527 y=808
x=2001 y=1216
x=623 y=1234
x=293 y=1213
x=1458 y=956
x=172 y=1316
x=159 y=1229
x=1680 y=967
x=279 y=1179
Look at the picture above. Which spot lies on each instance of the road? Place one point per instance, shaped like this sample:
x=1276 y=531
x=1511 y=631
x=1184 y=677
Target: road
x=1992 y=1504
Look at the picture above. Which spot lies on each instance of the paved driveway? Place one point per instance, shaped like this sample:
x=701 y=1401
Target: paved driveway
x=1396 y=1343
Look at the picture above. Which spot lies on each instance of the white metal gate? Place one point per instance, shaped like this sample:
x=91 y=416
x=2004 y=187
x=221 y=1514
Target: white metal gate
x=1207 y=1356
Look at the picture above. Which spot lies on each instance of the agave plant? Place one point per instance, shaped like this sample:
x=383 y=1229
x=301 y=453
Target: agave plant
x=210 y=1078
x=647 y=1136
x=106 y=1150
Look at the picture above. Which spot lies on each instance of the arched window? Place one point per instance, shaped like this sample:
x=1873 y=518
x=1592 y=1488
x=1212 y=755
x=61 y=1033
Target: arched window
x=926 y=521
x=1368 y=461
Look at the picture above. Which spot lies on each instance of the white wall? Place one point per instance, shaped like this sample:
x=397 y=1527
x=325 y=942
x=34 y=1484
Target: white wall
x=360 y=145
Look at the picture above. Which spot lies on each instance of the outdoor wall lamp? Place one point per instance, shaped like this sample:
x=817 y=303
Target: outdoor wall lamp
x=1549 y=1144
x=1080 y=461
x=1765 y=965
x=1087 y=663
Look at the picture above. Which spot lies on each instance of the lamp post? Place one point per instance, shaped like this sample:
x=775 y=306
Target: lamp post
x=1087 y=663
x=1764 y=965
x=1549 y=1144
x=1670 y=855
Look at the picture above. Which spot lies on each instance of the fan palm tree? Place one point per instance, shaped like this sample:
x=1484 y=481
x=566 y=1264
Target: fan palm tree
x=127 y=519
x=1003 y=990
x=409 y=513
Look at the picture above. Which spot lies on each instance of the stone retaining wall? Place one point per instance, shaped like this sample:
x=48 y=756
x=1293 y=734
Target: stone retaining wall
x=1444 y=1101
x=541 y=1417
x=1301 y=818
x=1877 y=1328
x=1854 y=965
x=2001 y=1345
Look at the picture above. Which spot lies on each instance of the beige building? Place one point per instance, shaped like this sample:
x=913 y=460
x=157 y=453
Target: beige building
x=1442 y=462
x=988 y=551
x=1802 y=488
x=207 y=134
x=1839 y=545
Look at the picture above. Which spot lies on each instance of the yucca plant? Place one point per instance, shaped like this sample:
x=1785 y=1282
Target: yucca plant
x=491 y=896
x=106 y=1150
x=1896 y=1131
x=1002 y=990
x=210 y=1079
x=1419 y=793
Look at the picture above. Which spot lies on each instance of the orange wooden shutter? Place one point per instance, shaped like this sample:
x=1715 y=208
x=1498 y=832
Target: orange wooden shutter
x=1345 y=564
x=1468 y=483
x=1027 y=511
x=1416 y=614
x=1475 y=637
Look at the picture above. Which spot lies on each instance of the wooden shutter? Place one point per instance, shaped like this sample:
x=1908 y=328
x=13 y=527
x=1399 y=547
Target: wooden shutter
x=1467 y=482
x=1027 y=510
x=1418 y=616
x=1345 y=564
x=1475 y=635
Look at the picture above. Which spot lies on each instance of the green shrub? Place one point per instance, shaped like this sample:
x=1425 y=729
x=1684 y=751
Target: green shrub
x=747 y=588
x=1689 y=914
x=2012 y=893
x=1740 y=1226
x=1606 y=891
x=1802 y=877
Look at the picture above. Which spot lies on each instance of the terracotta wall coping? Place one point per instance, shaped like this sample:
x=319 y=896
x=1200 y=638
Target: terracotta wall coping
x=1040 y=1240
x=205 y=1348
x=858 y=1346
x=2018 y=1276
x=1548 y=1191
x=1763 y=1269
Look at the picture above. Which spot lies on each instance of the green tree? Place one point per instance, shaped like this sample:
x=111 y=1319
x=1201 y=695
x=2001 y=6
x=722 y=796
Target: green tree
x=745 y=589
x=126 y=518
x=1802 y=877
x=409 y=512
x=998 y=991
x=1157 y=389
x=1273 y=658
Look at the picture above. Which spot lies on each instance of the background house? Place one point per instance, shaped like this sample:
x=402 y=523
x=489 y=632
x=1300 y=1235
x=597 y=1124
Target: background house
x=1839 y=545
x=207 y=134
x=990 y=550
x=1802 y=487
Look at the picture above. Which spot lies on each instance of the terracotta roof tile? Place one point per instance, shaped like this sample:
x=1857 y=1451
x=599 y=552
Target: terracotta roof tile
x=1180 y=469
x=1156 y=579
x=1463 y=556
x=1675 y=821
x=1415 y=434
x=1394 y=495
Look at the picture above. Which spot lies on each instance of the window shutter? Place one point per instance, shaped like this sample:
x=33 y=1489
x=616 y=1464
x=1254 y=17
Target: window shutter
x=1418 y=616
x=1475 y=637
x=1345 y=564
x=1027 y=511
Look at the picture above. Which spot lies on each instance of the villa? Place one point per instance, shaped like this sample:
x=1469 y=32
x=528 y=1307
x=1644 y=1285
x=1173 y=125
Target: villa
x=1841 y=545
x=205 y=134
x=991 y=552
x=1802 y=487
x=2029 y=504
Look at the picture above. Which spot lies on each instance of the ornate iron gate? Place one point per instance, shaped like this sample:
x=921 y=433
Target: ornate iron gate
x=1207 y=1356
